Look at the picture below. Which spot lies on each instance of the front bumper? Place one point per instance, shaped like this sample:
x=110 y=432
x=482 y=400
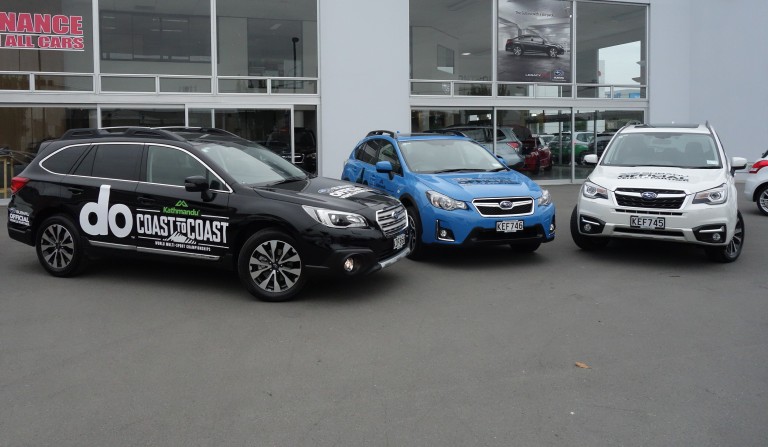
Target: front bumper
x=696 y=224
x=355 y=252
x=468 y=227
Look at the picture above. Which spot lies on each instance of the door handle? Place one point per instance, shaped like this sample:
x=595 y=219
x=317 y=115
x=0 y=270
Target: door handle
x=144 y=200
x=75 y=191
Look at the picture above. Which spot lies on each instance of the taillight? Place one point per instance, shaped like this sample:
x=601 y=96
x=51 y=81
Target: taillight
x=514 y=145
x=17 y=183
x=757 y=166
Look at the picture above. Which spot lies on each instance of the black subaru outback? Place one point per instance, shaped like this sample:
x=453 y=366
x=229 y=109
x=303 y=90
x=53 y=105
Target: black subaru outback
x=156 y=192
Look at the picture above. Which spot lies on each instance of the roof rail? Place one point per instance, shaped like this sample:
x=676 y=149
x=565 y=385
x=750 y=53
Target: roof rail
x=457 y=133
x=208 y=130
x=381 y=132
x=129 y=132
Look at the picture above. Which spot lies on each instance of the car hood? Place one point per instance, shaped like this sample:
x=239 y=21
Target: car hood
x=328 y=193
x=657 y=177
x=466 y=186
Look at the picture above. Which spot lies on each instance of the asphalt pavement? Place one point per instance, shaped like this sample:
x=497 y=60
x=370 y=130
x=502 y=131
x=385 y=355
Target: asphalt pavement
x=641 y=344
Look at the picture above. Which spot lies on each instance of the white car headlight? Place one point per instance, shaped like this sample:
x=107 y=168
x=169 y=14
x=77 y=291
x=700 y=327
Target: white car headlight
x=335 y=219
x=714 y=196
x=442 y=201
x=545 y=198
x=592 y=191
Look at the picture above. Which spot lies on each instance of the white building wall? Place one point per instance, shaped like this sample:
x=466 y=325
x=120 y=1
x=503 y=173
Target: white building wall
x=364 y=72
x=708 y=61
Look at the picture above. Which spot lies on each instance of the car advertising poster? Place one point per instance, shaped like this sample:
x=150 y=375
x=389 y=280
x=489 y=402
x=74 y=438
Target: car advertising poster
x=534 y=41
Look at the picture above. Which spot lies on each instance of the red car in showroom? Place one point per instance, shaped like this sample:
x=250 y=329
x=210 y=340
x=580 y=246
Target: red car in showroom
x=536 y=154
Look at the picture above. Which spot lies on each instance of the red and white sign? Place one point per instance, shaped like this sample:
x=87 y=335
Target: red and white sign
x=30 y=31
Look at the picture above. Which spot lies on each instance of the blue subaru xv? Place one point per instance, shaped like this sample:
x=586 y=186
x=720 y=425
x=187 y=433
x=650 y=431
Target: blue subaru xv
x=455 y=191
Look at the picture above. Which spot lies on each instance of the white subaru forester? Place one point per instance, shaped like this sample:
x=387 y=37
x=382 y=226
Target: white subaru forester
x=670 y=183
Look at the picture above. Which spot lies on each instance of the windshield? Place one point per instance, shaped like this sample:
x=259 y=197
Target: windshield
x=250 y=164
x=434 y=156
x=682 y=150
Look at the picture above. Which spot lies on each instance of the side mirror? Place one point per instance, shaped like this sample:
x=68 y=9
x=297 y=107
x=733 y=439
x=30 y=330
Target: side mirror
x=590 y=159
x=196 y=183
x=384 y=166
x=738 y=163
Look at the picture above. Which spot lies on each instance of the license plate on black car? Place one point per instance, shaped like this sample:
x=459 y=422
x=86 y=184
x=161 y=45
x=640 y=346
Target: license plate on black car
x=649 y=223
x=509 y=226
x=399 y=241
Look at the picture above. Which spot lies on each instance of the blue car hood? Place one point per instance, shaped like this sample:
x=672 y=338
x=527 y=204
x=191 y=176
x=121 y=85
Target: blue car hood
x=469 y=185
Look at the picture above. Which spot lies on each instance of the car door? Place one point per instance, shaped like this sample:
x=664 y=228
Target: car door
x=173 y=221
x=100 y=194
x=358 y=167
x=391 y=182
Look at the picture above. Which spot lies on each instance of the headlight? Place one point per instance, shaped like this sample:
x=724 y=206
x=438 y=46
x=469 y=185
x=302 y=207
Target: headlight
x=335 y=219
x=592 y=191
x=442 y=201
x=714 y=196
x=545 y=198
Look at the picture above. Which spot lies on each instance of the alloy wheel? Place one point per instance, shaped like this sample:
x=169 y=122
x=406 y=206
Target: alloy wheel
x=57 y=246
x=275 y=266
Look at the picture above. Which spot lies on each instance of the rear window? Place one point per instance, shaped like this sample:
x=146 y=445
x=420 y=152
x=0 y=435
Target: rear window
x=62 y=161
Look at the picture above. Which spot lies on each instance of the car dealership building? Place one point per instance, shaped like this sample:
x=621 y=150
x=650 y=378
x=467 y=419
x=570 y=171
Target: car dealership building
x=311 y=77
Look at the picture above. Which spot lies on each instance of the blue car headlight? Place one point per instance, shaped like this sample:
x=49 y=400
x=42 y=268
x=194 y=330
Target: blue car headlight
x=546 y=198
x=442 y=201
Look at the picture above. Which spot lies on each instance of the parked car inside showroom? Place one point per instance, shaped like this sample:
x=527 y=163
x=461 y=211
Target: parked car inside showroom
x=668 y=183
x=156 y=193
x=529 y=43
x=508 y=145
x=560 y=146
x=455 y=191
x=756 y=185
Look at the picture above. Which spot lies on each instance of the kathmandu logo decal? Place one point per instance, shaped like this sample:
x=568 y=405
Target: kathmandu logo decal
x=181 y=209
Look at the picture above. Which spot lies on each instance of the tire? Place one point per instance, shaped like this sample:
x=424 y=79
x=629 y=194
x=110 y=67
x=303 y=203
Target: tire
x=537 y=169
x=588 y=243
x=270 y=266
x=761 y=198
x=414 y=226
x=732 y=250
x=59 y=248
x=527 y=247
x=549 y=166
x=517 y=50
x=552 y=52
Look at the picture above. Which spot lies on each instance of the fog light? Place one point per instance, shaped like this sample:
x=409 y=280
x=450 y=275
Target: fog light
x=587 y=227
x=716 y=237
x=551 y=228
x=443 y=234
x=349 y=264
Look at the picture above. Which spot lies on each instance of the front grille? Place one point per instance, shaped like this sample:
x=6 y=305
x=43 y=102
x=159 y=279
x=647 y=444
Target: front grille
x=392 y=219
x=482 y=235
x=505 y=206
x=676 y=233
x=652 y=213
x=665 y=198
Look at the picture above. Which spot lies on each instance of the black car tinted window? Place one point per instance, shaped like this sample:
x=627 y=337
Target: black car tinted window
x=117 y=161
x=61 y=162
x=170 y=166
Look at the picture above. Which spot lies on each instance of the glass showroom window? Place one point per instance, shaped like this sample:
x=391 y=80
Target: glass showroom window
x=595 y=128
x=53 y=37
x=24 y=128
x=535 y=135
x=451 y=41
x=139 y=39
x=262 y=40
x=611 y=46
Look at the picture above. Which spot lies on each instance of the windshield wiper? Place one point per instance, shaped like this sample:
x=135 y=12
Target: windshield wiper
x=287 y=180
x=443 y=171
